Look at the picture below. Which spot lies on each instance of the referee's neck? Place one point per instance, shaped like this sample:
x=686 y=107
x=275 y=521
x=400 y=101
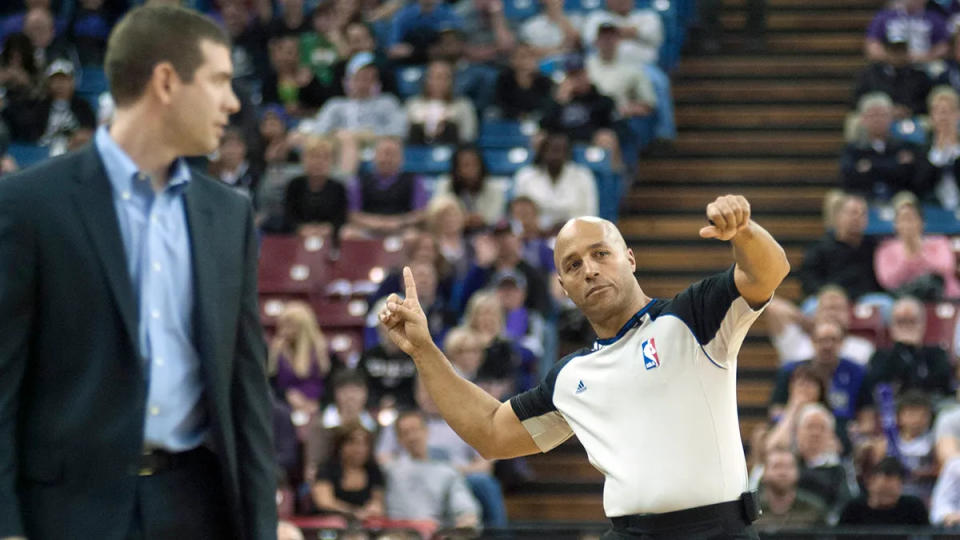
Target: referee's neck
x=608 y=327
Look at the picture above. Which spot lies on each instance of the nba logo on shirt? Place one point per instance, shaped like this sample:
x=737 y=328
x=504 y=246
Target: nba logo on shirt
x=650 y=358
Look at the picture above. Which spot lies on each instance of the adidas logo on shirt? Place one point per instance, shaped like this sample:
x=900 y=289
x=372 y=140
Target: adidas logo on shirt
x=581 y=387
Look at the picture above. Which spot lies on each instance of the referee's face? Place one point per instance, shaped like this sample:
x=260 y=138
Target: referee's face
x=595 y=267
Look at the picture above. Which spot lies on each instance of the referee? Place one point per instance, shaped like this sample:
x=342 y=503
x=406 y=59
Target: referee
x=653 y=400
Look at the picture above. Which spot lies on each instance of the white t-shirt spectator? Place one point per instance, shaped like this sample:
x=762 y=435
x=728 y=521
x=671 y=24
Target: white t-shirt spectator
x=645 y=48
x=541 y=32
x=623 y=81
x=573 y=194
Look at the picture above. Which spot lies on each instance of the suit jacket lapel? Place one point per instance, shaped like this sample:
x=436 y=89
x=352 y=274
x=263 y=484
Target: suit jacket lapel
x=204 y=253
x=94 y=199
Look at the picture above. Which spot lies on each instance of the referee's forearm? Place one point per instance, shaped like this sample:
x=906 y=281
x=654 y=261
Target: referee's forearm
x=465 y=406
x=761 y=259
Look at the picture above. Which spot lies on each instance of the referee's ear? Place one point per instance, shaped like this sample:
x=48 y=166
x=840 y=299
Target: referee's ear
x=632 y=259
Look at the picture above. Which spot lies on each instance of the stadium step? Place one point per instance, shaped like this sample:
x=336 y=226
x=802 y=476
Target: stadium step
x=760 y=116
x=844 y=5
x=647 y=198
x=707 y=259
x=735 y=170
x=825 y=20
x=758 y=143
x=842 y=67
x=735 y=91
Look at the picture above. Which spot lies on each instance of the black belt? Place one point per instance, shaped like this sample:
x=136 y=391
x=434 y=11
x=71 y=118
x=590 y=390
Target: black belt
x=745 y=509
x=157 y=461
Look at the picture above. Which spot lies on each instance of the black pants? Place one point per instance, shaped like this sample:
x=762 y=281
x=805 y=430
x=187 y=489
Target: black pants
x=722 y=521
x=182 y=503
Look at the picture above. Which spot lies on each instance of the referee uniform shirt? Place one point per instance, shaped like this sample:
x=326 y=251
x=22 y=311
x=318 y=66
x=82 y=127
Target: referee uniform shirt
x=655 y=406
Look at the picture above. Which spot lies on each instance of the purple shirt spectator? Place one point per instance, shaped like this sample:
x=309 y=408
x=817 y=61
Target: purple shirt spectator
x=287 y=379
x=921 y=30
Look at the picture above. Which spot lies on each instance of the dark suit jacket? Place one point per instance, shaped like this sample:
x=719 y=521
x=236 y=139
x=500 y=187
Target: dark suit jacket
x=72 y=387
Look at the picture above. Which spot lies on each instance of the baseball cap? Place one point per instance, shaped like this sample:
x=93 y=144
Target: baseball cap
x=61 y=67
x=509 y=277
x=358 y=62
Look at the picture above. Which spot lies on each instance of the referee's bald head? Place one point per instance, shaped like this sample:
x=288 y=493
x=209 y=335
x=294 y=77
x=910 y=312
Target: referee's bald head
x=574 y=228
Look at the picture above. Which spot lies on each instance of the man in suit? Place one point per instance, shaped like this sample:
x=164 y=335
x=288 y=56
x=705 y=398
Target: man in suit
x=133 y=396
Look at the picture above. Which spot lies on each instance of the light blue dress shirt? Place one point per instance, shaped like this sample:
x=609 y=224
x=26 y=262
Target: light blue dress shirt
x=156 y=240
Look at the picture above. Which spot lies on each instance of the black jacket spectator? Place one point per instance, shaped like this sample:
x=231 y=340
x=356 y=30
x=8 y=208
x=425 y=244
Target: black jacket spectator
x=516 y=101
x=830 y=261
x=878 y=171
x=28 y=120
x=580 y=117
x=908 y=367
x=909 y=510
x=305 y=205
x=907 y=86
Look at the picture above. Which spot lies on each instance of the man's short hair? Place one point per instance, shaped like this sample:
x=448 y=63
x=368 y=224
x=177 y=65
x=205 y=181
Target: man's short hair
x=150 y=35
x=348 y=377
x=407 y=413
x=874 y=99
x=914 y=399
x=889 y=466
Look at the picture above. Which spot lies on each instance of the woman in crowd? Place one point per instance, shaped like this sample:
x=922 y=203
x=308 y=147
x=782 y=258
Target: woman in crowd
x=914 y=263
x=315 y=203
x=561 y=188
x=436 y=116
x=483 y=200
x=446 y=219
x=805 y=387
x=350 y=482
x=299 y=360
x=506 y=367
x=937 y=169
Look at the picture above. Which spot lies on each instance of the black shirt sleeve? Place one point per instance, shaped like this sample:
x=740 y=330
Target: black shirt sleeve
x=704 y=304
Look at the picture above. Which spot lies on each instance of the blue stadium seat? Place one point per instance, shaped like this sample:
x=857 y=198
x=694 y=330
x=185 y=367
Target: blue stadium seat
x=93 y=81
x=409 y=80
x=431 y=160
x=551 y=65
x=518 y=10
x=27 y=154
x=506 y=161
x=936 y=220
x=505 y=133
x=593 y=157
x=909 y=130
x=578 y=7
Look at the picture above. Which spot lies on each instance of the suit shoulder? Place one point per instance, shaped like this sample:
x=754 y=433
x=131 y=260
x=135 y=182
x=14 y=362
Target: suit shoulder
x=223 y=193
x=42 y=179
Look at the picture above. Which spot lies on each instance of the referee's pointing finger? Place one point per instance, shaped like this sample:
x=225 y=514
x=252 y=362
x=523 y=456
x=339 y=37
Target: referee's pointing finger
x=411 y=287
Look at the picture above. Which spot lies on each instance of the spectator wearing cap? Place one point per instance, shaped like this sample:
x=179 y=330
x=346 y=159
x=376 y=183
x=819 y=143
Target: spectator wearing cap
x=364 y=114
x=386 y=200
x=938 y=169
x=640 y=30
x=358 y=38
x=525 y=220
x=52 y=120
x=290 y=83
x=415 y=27
x=896 y=76
x=521 y=325
x=551 y=32
x=629 y=87
x=499 y=252
x=912 y=262
x=482 y=199
x=884 y=503
x=561 y=188
x=577 y=108
x=924 y=30
x=489 y=34
x=875 y=165
x=436 y=116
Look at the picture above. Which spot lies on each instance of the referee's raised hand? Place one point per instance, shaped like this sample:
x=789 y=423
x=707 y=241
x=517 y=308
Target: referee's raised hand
x=728 y=215
x=405 y=321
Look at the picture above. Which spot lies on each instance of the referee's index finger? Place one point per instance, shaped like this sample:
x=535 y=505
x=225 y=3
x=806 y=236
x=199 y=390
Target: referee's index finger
x=409 y=285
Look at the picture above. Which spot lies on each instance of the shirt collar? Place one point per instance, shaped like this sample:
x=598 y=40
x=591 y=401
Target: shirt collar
x=121 y=170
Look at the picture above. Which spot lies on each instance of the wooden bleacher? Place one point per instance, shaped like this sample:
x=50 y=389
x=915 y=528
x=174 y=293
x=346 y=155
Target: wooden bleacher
x=769 y=126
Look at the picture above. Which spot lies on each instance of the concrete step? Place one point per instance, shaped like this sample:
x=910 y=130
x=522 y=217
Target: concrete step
x=744 y=92
x=759 y=143
x=659 y=198
x=761 y=116
x=770 y=171
x=790 y=67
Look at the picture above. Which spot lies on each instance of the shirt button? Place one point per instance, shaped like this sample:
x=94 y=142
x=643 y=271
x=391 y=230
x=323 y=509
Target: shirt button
x=159 y=361
x=154 y=219
x=154 y=411
x=157 y=267
x=125 y=195
x=155 y=314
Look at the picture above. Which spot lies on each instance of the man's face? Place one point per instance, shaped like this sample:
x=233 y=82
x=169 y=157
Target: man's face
x=556 y=151
x=906 y=323
x=38 y=26
x=525 y=212
x=914 y=419
x=412 y=435
x=199 y=110
x=877 y=120
x=350 y=399
x=607 y=41
x=316 y=162
x=235 y=18
x=595 y=267
x=512 y=296
x=813 y=434
x=827 y=340
x=359 y=39
x=833 y=306
x=233 y=151
x=944 y=114
x=363 y=82
x=780 y=471
x=851 y=218
x=61 y=86
x=283 y=54
x=388 y=157
x=885 y=489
